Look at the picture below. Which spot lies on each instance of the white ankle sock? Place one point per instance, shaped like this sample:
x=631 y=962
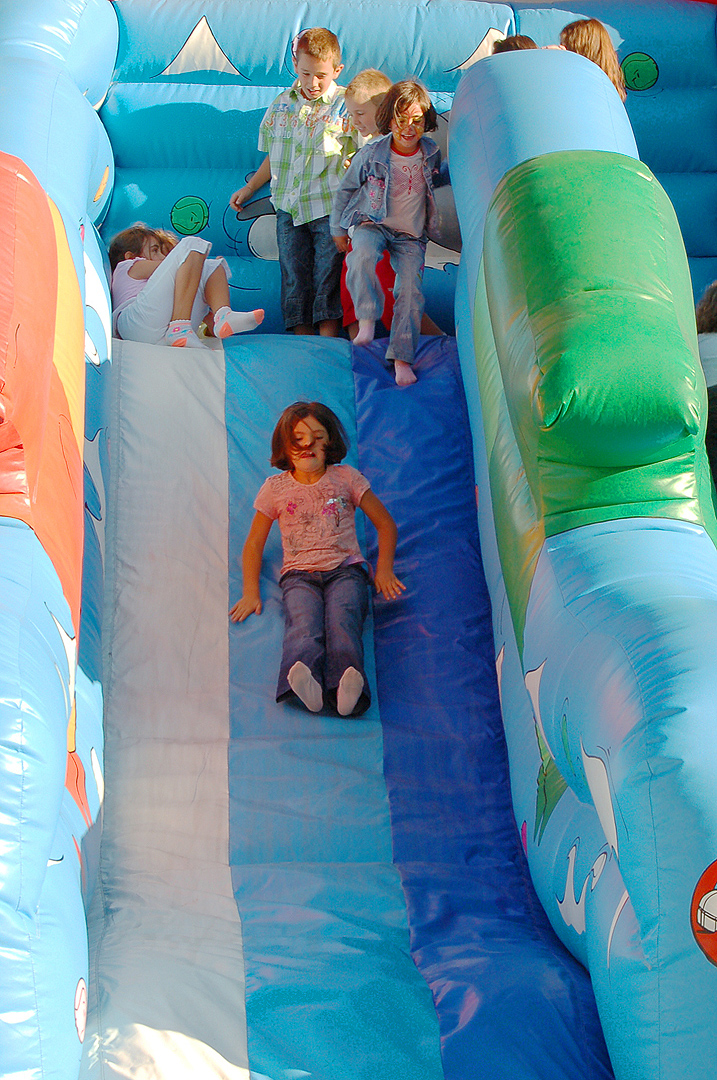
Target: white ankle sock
x=180 y=335
x=305 y=686
x=228 y=322
x=404 y=373
x=349 y=691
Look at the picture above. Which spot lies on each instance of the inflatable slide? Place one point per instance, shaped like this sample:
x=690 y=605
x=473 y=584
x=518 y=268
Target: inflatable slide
x=508 y=866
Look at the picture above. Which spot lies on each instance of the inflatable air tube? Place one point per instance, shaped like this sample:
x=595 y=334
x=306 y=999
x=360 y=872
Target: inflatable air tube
x=55 y=183
x=579 y=355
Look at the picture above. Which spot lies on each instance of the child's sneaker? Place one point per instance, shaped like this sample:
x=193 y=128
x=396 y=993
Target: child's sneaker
x=228 y=322
x=181 y=336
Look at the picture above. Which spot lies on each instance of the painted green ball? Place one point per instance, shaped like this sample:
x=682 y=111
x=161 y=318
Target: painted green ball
x=189 y=215
x=640 y=71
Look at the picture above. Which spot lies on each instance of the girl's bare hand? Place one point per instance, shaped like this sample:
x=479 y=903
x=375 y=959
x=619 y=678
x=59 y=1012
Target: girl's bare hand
x=248 y=605
x=388 y=584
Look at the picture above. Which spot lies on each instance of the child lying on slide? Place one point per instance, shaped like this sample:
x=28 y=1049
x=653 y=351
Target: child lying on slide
x=162 y=289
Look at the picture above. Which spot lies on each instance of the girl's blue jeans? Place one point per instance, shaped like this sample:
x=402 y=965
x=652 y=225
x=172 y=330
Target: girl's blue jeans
x=408 y=256
x=324 y=613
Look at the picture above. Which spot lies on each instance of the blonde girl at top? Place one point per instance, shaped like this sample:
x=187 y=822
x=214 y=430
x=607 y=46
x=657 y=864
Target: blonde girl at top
x=589 y=38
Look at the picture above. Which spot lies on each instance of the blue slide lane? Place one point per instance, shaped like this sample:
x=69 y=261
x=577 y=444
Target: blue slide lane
x=332 y=991
x=512 y=1002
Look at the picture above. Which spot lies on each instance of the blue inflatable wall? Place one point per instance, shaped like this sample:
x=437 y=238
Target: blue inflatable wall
x=279 y=896
x=56 y=62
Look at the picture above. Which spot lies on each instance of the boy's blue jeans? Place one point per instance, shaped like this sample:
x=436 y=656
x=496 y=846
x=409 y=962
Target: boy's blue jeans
x=408 y=256
x=324 y=612
x=310 y=271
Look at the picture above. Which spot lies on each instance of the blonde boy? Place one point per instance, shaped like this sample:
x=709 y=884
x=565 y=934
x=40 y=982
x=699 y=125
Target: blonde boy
x=363 y=95
x=307 y=136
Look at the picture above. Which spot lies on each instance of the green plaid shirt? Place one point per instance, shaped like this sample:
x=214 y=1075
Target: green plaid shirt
x=307 y=142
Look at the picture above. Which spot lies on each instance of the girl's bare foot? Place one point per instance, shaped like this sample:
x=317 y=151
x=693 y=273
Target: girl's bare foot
x=404 y=373
x=366 y=331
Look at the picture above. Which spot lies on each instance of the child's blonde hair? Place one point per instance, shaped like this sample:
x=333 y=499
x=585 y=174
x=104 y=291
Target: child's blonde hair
x=320 y=43
x=369 y=85
x=589 y=38
x=399 y=98
x=132 y=240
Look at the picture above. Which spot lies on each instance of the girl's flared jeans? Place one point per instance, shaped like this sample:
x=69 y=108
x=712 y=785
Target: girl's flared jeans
x=324 y=613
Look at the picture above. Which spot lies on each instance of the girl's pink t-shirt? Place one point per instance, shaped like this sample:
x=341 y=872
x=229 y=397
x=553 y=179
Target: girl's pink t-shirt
x=317 y=521
x=124 y=287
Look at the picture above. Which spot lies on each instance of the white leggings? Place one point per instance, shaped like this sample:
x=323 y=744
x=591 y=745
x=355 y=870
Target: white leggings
x=147 y=317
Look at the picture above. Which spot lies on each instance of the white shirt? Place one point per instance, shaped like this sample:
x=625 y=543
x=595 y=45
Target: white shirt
x=406 y=206
x=708 y=355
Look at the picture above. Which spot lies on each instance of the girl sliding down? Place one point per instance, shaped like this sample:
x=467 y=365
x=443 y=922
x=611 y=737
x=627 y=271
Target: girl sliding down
x=323 y=580
x=163 y=289
x=386 y=196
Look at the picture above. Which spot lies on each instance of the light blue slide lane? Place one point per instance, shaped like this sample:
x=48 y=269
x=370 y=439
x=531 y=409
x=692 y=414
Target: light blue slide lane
x=332 y=991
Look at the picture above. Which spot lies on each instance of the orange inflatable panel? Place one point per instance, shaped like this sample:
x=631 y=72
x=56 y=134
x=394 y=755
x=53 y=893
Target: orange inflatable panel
x=41 y=374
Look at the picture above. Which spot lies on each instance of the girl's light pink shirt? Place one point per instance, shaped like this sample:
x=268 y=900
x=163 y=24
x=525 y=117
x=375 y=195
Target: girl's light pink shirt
x=317 y=521
x=124 y=287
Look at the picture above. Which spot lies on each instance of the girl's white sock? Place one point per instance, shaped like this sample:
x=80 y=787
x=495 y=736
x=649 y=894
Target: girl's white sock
x=349 y=691
x=180 y=335
x=305 y=686
x=228 y=322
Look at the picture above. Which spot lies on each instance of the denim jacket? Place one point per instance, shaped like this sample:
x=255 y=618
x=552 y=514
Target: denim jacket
x=362 y=194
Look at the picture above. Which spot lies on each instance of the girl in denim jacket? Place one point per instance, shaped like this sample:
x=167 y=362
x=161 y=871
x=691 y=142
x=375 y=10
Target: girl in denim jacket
x=387 y=198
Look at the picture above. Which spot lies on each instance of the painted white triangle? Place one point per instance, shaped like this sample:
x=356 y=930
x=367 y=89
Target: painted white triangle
x=484 y=49
x=200 y=52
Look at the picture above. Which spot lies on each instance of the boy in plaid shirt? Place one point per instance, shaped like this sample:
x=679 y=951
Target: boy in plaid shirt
x=308 y=136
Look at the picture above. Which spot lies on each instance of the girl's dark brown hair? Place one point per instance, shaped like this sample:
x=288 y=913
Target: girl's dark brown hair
x=283 y=440
x=131 y=239
x=707 y=311
x=399 y=99
x=513 y=43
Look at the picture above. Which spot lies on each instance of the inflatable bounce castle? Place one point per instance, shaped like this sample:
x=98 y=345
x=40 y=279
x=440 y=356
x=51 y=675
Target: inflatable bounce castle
x=507 y=868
